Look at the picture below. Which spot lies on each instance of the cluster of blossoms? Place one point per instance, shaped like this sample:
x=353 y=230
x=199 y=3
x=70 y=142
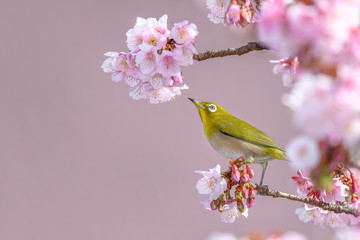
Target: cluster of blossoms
x=260 y=236
x=345 y=189
x=229 y=12
x=320 y=39
x=340 y=234
x=219 y=186
x=152 y=68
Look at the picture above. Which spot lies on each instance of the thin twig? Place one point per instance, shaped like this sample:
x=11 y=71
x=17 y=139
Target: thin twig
x=326 y=206
x=251 y=46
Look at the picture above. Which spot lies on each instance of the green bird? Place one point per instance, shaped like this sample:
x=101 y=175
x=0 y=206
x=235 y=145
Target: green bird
x=232 y=137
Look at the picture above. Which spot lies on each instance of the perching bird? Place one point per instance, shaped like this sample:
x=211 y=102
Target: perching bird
x=232 y=137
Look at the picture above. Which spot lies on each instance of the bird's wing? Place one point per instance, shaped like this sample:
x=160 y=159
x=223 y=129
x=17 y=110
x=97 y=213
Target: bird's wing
x=241 y=130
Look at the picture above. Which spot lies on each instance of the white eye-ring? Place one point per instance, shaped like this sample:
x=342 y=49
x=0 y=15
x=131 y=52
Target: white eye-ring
x=212 y=108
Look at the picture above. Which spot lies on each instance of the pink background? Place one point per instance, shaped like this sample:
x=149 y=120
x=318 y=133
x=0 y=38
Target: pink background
x=80 y=160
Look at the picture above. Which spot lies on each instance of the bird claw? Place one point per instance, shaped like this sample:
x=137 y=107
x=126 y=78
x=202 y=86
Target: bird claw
x=250 y=160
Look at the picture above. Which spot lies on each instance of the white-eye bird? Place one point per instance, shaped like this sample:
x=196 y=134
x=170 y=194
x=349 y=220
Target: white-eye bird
x=233 y=138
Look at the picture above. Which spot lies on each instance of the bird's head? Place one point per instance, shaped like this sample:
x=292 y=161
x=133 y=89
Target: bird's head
x=209 y=112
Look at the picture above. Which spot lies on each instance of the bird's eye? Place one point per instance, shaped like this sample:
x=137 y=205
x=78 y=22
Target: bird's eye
x=212 y=108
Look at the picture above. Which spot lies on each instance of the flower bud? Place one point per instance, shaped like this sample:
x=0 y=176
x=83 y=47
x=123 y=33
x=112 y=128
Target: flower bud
x=244 y=192
x=235 y=173
x=238 y=192
x=233 y=13
x=228 y=197
x=240 y=205
x=221 y=205
x=250 y=171
x=252 y=193
x=245 y=177
x=213 y=205
x=250 y=202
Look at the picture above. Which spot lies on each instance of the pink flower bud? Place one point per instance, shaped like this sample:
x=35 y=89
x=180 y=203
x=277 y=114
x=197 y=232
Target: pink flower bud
x=213 y=205
x=238 y=192
x=245 y=177
x=246 y=15
x=240 y=205
x=233 y=13
x=252 y=193
x=250 y=202
x=221 y=206
x=250 y=171
x=228 y=198
x=245 y=194
x=235 y=173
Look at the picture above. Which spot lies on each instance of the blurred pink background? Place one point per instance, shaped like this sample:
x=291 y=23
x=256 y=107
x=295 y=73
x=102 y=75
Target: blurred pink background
x=79 y=159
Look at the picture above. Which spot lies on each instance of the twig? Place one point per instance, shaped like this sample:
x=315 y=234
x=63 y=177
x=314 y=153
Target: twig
x=251 y=46
x=326 y=206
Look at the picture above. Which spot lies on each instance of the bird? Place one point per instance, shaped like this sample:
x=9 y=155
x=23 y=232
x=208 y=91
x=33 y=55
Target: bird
x=233 y=138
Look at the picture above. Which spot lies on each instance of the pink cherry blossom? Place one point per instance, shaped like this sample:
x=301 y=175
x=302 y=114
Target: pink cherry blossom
x=217 y=10
x=338 y=193
x=168 y=66
x=233 y=13
x=303 y=153
x=184 y=54
x=303 y=23
x=184 y=33
x=148 y=31
x=132 y=81
x=271 y=27
x=212 y=183
x=240 y=15
x=309 y=213
x=335 y=220
x=231 y=213
x=146 y=58
x=152 y=68
x=288 y=67
x=303 y=184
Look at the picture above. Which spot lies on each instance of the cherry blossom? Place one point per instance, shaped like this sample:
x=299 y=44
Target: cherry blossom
x=212 y=183
x=303 y=153
x=152 y=68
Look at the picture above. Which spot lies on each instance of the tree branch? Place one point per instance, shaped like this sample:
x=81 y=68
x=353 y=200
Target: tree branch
x=251 y=46
x=326 y=206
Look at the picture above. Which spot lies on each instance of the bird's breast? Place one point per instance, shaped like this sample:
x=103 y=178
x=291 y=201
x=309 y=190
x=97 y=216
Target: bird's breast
x=231 y=147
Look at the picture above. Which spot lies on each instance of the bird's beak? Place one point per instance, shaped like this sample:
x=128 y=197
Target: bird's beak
x=197 y=103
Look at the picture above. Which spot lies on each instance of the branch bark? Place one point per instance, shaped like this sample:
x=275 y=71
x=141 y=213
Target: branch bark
x=262 y=190
x=251 y=46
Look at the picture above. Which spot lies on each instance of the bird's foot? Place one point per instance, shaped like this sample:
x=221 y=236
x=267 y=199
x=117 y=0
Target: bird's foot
x=250 y=160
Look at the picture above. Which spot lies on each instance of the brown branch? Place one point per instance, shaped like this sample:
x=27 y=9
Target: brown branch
x=326 y=206
x=251 y=46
